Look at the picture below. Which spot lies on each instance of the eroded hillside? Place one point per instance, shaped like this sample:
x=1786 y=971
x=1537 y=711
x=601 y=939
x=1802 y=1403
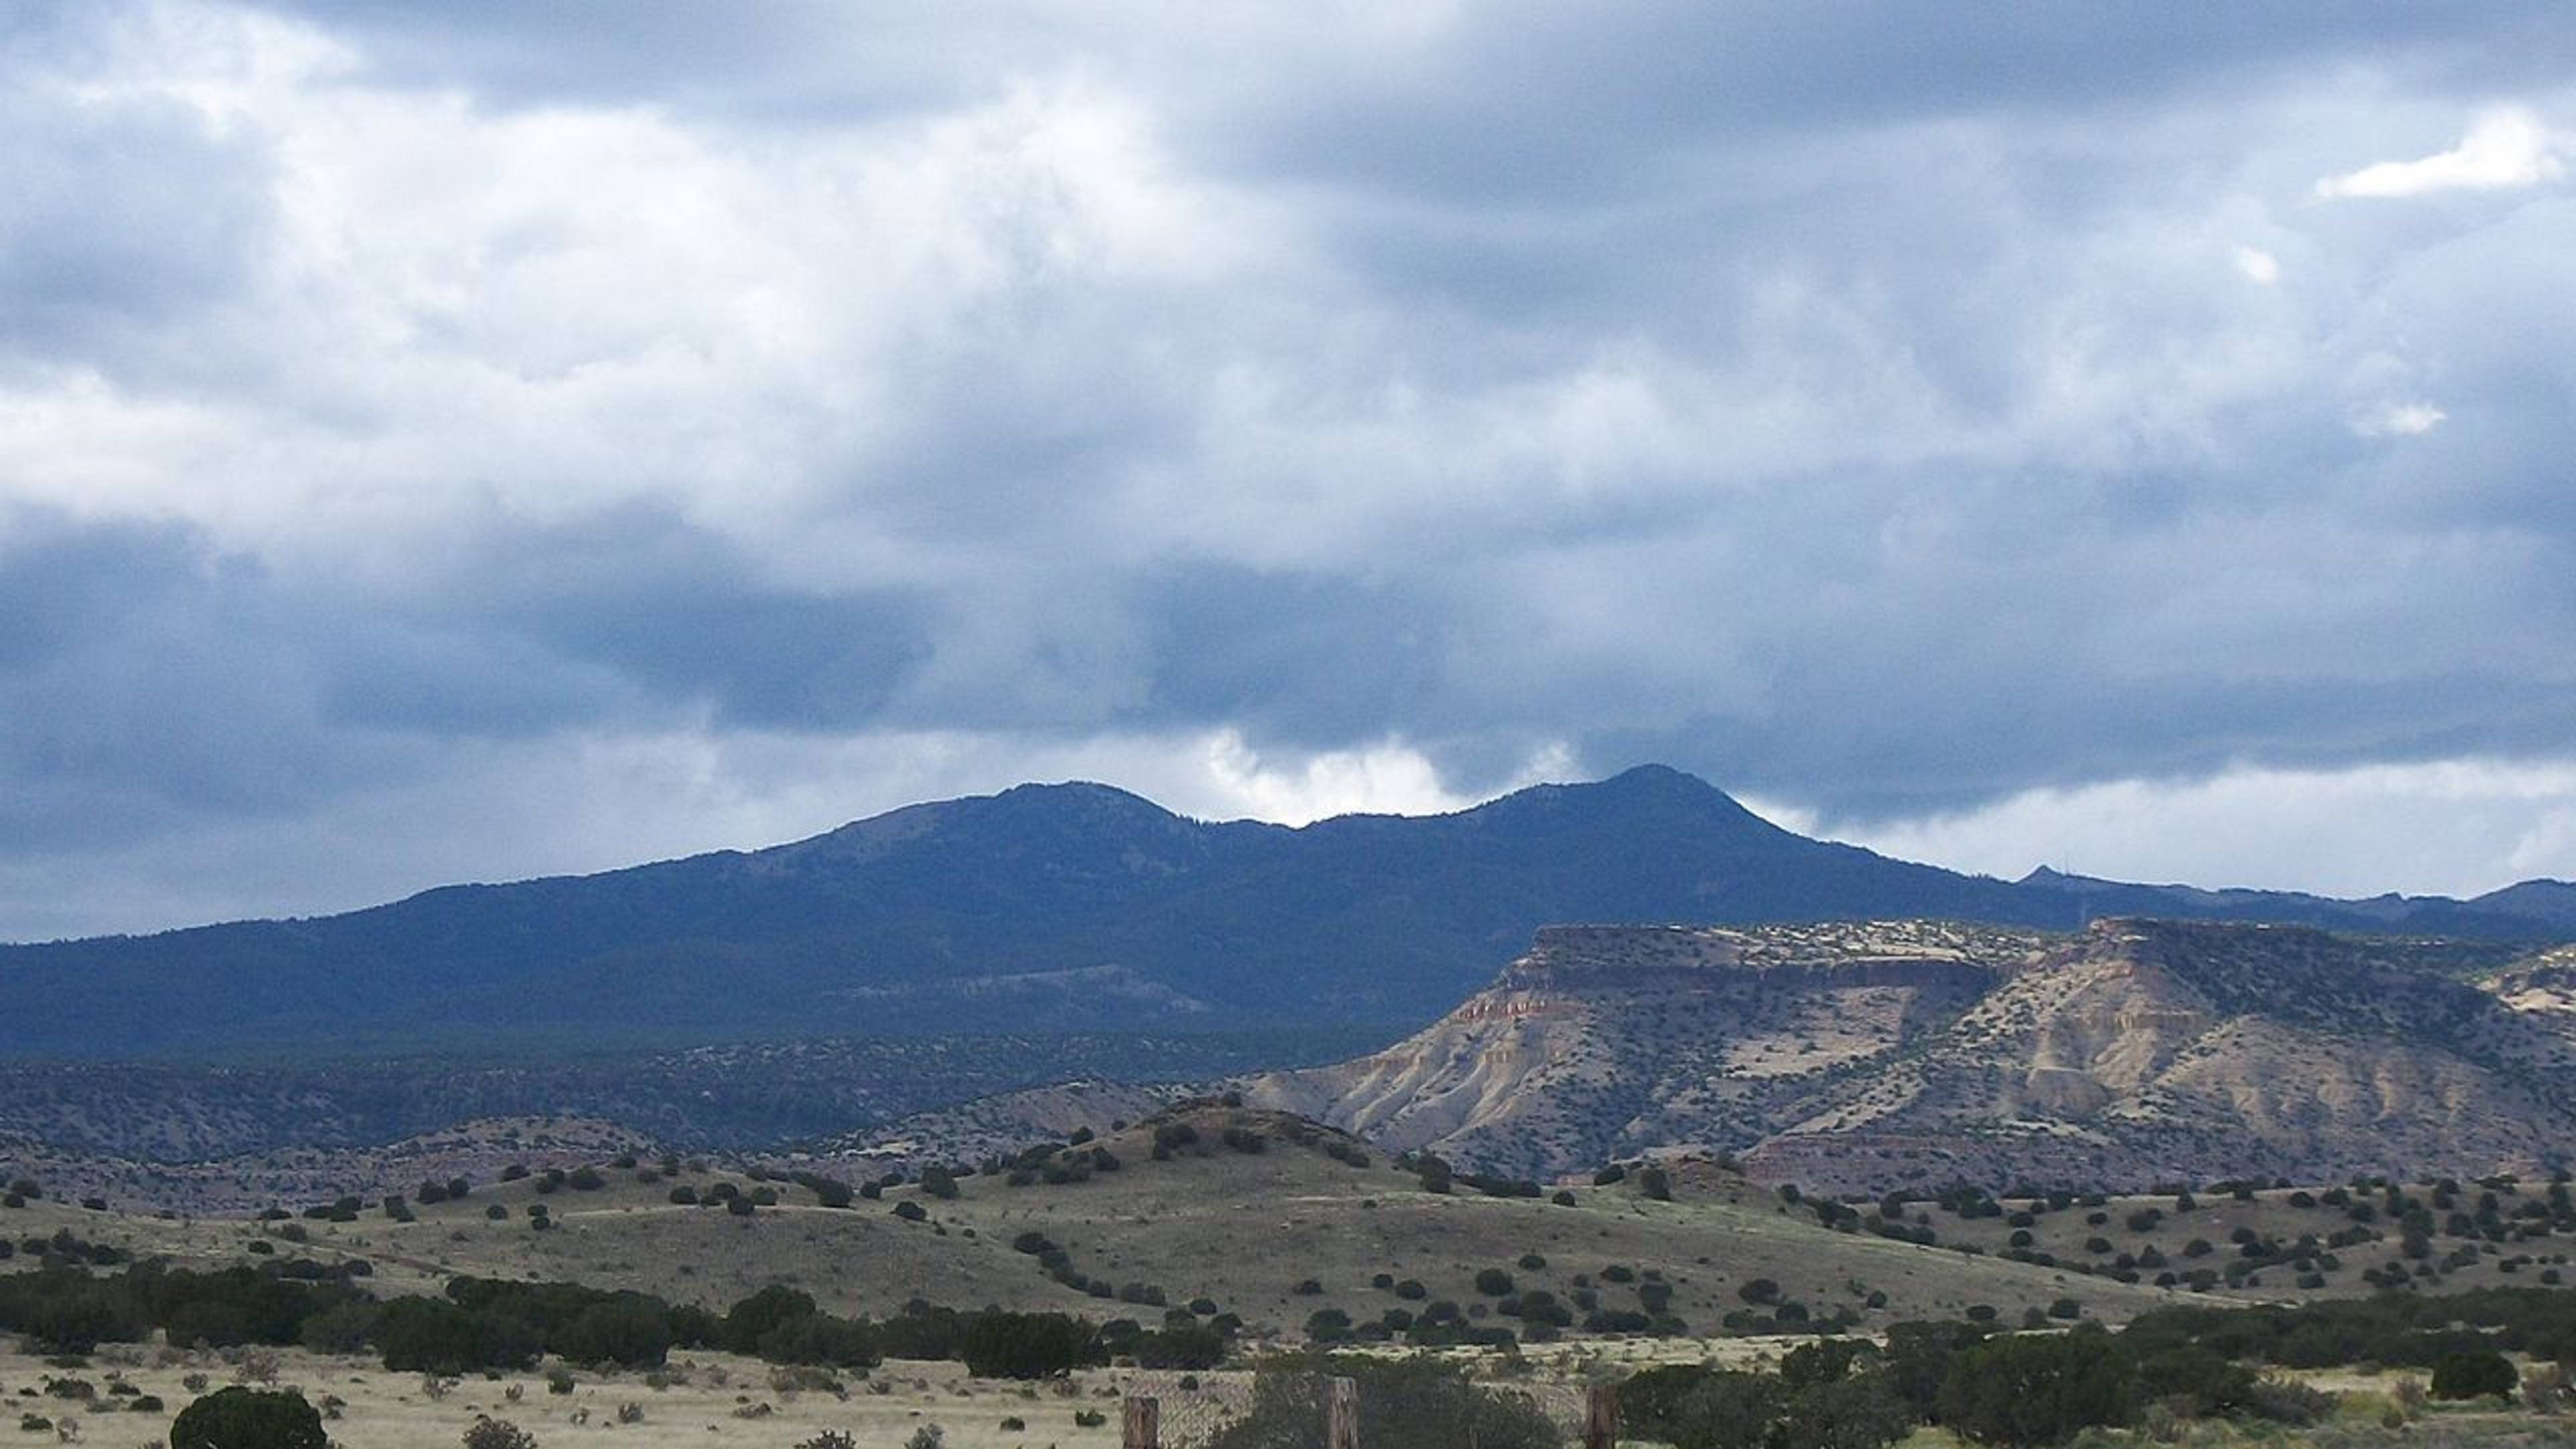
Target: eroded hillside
x=1886 y=1054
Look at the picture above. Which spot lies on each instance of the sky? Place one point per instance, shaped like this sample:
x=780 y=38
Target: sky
x=471 y=440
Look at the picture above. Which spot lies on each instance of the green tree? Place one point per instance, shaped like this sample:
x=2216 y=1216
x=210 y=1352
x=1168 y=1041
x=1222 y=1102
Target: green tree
x=1005 y=1345
x=1854 y=1411
x=2026 y=1391
x=1728 y=1409
x=1824 y=1362
x=2474 y=1375
x=630 y=1331
x=1918 y=1360
x=2202 y=1381
x=244 y=1418
x=427 y=1335
x=752 y=1319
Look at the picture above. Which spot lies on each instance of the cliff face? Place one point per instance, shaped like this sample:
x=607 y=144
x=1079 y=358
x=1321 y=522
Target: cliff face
x=1876 y=1054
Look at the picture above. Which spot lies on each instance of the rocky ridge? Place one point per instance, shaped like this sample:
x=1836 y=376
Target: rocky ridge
x=1887 y=1054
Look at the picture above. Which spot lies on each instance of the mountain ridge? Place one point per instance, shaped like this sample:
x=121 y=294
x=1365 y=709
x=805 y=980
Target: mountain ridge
x=963 y=910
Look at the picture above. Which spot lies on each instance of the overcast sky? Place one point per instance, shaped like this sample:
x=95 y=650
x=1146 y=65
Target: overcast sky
x=451 y=440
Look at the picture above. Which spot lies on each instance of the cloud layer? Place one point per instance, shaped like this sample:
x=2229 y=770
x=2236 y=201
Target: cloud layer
x=448 y=440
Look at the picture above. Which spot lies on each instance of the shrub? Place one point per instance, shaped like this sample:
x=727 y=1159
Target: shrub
x=2023 y=1392
x=489 y=1433
x=2287 y=1401
x=429 y=1335
x=237 y=1417
x=1026 y=1345
x=2474 y=1375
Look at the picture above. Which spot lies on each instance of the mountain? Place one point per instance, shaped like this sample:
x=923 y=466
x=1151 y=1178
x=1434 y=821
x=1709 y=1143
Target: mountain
x=1060 y=908
x=1912 y=1053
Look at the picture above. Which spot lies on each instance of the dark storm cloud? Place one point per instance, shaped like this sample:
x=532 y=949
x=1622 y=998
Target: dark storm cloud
x=1296 y=657
x=1879 y=408
x=685 y=622
x=145 y=675
x=145 y=680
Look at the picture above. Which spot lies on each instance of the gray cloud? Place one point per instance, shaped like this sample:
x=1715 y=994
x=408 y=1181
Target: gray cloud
x=478 y=415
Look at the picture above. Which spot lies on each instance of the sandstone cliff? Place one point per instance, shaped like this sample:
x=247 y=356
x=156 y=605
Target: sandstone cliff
x=1880 y=1054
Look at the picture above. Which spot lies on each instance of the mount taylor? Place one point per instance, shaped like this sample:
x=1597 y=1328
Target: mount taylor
x=1050 y=909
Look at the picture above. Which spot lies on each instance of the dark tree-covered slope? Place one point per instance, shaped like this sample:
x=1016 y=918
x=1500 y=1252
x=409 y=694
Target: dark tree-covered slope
x=1044 y=908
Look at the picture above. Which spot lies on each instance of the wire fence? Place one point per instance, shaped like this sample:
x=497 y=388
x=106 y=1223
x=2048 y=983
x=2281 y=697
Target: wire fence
x=1383 y=1407
x=1193 y=1411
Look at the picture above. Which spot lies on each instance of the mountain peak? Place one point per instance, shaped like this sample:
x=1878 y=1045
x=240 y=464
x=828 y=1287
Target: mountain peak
x=1652 y=781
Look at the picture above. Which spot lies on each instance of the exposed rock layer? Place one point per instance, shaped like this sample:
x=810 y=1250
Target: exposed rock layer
x=1882 y=1054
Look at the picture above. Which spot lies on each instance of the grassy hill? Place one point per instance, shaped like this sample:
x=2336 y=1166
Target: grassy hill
x=1274 y=1219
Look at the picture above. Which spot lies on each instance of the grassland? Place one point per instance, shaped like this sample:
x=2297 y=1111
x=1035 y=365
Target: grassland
x=700 y=1399
x=1291 y=1220
x=1272 y=1236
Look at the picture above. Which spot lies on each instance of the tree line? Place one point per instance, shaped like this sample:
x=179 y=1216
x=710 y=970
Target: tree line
x=2024 y=1390
x=488 y=1323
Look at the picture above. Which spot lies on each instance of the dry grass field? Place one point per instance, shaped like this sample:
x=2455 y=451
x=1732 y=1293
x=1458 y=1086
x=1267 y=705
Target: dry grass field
x=1260 y=1216
x=707 y=1399
x=1272 y=1236
x=700 y=1400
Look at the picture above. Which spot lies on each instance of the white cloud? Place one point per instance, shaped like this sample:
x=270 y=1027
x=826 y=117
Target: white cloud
x=1387 y=778
x=2258 y=265
x=2399 y=420
x=2506 y=148
x=2458 y=827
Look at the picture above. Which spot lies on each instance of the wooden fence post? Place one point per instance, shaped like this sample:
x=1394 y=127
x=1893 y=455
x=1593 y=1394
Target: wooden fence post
x=1601 y=1418
x=1341 y=1414
x=1142 y=1425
